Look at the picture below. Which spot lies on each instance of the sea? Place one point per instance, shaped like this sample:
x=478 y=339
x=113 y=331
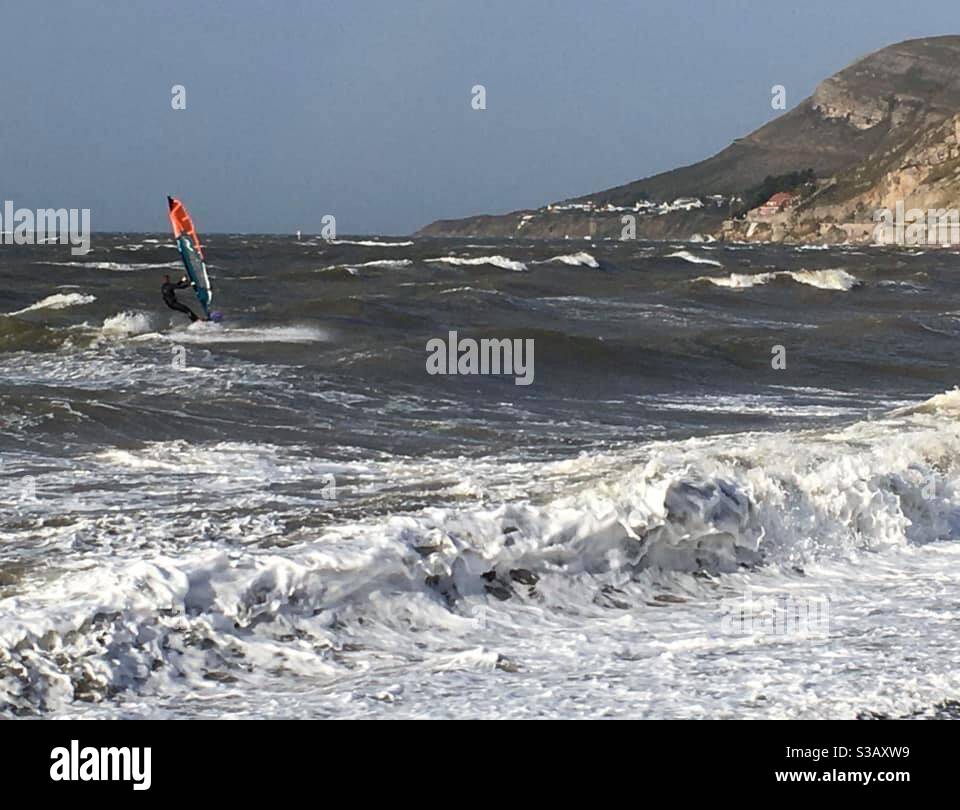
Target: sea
x=731 y=488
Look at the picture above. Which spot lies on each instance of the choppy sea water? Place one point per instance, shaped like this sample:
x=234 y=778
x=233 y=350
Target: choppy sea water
x=285 y=515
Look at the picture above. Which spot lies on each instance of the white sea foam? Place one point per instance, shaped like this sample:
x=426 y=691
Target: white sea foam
x=606 y=596
x=452 y=290
x=687 y=256
x=826 y=279
x=947 y=403
x=739 y=281
x=390 y=264
x=478 y=261
x=202 y=332
x=368 y=243
x=142 y=327
x=121 y=267
x=58 y=301
x=126 y=324
x=384 y=264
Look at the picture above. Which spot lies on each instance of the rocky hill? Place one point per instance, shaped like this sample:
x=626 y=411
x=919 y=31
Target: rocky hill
x=885 y=129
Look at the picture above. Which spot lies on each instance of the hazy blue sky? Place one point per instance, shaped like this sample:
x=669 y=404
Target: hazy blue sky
x=361 y=108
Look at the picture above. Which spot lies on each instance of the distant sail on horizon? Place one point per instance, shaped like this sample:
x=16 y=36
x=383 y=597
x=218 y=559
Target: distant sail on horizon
x=191 y=251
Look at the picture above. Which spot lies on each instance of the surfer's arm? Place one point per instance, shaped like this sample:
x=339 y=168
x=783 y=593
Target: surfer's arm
x=183 y=284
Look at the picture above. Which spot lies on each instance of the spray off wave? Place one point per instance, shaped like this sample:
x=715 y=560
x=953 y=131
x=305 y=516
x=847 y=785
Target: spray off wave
x=57 y=301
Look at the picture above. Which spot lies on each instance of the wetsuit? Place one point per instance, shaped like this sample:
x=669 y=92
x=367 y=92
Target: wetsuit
x=168 y=290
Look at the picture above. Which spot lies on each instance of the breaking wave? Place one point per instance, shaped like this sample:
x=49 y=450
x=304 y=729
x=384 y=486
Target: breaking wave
x=58 y=301
x=495 y=261
x=385 y=264
x=581 y=259
x=826 y=279
x=126 y=324
x=687 y=256
x=739 y=281
x=839 y=280
x=709 y=507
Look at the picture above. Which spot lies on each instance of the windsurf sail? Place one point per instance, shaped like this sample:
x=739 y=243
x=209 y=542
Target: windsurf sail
x=191 y=252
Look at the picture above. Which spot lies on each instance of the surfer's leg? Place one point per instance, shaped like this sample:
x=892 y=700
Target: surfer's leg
x=178 y=307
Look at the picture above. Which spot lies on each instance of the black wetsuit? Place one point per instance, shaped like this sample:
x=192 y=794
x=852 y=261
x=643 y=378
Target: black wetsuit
x=168 y=290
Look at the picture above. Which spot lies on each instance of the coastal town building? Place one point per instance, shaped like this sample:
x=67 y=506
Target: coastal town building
x=777 y=204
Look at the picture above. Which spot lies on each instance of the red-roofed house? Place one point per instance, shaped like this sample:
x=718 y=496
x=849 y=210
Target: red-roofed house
x=779 y=202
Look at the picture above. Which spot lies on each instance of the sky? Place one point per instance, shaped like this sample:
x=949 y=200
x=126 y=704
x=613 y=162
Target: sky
x=361 y=109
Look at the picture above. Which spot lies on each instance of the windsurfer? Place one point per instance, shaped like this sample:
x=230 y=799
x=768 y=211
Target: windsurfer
x=168 y=290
